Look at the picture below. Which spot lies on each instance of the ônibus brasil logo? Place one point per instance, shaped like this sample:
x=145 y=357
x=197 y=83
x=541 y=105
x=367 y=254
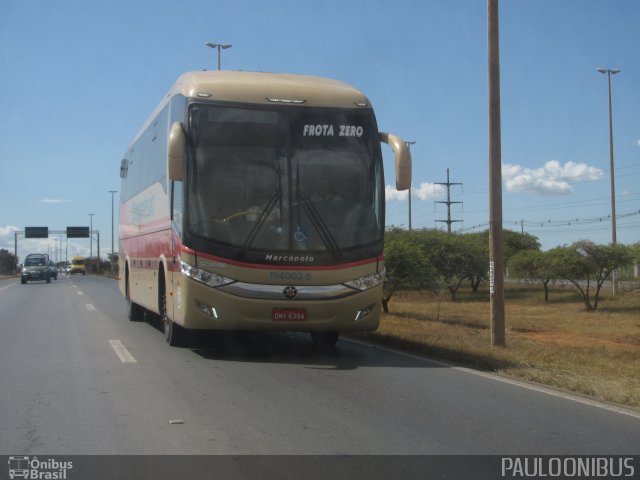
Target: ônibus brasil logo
x=37 y=469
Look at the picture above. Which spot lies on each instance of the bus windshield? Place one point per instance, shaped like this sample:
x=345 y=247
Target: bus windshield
x=291 y=180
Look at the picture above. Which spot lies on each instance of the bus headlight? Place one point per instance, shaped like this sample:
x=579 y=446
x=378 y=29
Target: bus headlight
x=367 y=282
x=202 y=276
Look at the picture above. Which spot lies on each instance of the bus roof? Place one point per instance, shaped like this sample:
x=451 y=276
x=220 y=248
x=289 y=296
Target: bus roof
x=262 y=88
x=267 y=88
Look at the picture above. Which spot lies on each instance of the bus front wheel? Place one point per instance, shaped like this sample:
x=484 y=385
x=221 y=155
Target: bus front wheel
x=175 y=335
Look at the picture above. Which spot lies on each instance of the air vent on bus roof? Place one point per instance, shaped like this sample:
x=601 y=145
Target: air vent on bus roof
x=286 y=100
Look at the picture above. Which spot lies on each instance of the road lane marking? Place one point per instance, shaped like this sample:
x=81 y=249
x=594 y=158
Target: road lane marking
x=7 y=286
x=79 y=292
x=122 y=352
x=622 y=410
x=90 y=307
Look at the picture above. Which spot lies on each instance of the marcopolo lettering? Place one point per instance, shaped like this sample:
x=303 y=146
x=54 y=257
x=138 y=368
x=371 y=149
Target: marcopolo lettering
x=288 y=258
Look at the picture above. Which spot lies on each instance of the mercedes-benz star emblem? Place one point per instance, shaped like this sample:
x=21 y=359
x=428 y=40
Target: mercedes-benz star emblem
x=290 y=292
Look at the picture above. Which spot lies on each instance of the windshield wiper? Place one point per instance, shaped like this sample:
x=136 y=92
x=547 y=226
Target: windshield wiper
x=260 y=221
x=321 y=226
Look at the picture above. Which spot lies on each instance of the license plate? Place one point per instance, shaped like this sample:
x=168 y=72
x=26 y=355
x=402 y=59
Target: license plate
x=289 y=314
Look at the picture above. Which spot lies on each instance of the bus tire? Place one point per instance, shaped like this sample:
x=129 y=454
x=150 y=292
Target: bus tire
x=135 y=312
x=325 y=339
x=175 y=335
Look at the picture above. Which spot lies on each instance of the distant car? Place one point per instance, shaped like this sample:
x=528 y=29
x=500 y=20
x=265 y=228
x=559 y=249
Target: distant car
x=54 y=270
x=37 y=266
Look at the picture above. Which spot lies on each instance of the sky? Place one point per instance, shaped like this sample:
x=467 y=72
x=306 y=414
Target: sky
x=79 y=78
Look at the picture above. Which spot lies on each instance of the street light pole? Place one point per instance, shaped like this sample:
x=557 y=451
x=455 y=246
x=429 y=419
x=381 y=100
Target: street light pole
x=218 y=46
x=409 y=146
x=91 y=241
x=609 y=72
x=112 y=192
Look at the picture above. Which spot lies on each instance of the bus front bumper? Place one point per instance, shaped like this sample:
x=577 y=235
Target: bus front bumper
x=207 y=308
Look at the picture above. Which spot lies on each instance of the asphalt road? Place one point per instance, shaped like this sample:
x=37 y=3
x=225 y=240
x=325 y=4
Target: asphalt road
x=76 y=377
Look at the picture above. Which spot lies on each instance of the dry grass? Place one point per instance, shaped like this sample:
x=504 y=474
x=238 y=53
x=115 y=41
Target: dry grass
x=557 y=343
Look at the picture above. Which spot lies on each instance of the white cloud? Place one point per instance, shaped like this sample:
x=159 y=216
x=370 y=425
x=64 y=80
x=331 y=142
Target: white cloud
x=553 y=178
x=392 y=194
x=8 y=230
x=54 y=200
x=427 y=191
x=638 y=142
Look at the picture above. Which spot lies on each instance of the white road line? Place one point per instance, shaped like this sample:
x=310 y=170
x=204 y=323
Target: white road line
x=10 y=285
x=79 y=292
x=90 y=307
x=518 y=383
x=122 y=352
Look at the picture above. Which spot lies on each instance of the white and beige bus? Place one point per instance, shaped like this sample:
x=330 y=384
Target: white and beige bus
x=255 y=201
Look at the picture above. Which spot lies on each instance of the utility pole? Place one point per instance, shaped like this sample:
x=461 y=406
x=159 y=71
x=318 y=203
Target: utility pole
x=91 y=242
x=112 y=263
x=609 y=72
x=448 y=203
x=409 y=146
x=496 y=264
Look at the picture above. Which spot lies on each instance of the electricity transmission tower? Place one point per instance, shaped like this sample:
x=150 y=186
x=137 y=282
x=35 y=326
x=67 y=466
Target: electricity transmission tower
x=448 y=203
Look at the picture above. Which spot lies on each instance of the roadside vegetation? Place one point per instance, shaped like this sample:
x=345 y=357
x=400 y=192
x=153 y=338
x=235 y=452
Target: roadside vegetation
x=564 y=327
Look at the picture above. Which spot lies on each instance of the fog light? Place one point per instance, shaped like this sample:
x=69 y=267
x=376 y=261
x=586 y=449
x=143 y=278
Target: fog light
x=207 y=310
x=363 y=313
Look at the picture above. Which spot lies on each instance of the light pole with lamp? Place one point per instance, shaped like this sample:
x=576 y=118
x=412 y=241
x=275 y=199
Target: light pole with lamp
x=218 y=46
x=112 y=192
x=609 y=72
x=91 y=242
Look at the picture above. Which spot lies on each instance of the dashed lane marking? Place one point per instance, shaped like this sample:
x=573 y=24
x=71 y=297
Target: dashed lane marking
x=122 y=352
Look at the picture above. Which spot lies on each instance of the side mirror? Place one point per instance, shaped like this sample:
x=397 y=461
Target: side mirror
x=402 y=157
x=175 y=149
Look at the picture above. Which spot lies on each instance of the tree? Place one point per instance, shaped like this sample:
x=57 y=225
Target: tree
x=533 y=265
x=7 y=262
x=584 y=262
x=478 y=247
x=454 y=257
x=514 y=242
x=406 y=264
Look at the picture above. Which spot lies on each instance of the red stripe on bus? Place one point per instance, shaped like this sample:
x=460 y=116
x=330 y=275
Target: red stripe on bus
x=282 y=267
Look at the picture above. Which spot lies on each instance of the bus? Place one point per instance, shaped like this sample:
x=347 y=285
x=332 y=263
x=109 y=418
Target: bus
x=256 y=201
